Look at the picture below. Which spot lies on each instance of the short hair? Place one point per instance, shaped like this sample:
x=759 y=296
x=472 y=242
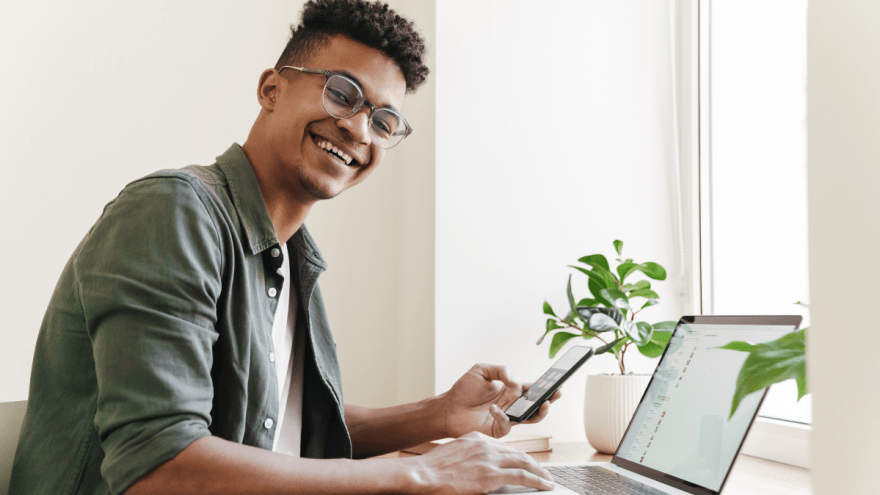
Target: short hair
x=372 y=23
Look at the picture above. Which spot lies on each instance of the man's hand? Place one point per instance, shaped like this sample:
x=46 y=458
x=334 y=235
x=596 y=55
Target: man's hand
x=477 y=464
x=477 y=400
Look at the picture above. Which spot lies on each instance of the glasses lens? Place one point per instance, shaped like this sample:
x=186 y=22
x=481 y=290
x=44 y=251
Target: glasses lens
x=342 y=97
x=387 y=128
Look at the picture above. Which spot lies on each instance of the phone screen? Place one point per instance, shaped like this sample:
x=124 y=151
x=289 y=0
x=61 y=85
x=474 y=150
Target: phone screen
x=551 y=380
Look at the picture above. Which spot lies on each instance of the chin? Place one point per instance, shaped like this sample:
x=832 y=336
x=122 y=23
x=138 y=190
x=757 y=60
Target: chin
x=320 y=191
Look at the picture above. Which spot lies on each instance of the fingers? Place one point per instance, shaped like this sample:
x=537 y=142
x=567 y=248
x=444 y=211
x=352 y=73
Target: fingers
x=521 y=469
x=539 y=415
x=495 y=372
x=556 y=395
x=501 y=421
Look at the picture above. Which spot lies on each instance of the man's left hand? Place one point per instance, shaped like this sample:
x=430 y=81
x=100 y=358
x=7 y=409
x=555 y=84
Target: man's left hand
x=477 y=400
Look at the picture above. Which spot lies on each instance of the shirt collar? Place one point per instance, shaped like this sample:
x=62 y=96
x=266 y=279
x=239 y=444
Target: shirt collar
x=248 y=201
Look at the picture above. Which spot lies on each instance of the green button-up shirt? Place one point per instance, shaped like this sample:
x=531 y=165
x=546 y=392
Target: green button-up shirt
x=159 y=332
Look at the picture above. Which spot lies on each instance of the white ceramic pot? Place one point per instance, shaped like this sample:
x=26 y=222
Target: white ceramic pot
x=609 y=404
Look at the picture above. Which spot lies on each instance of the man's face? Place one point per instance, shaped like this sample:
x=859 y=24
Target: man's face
x=300 y=128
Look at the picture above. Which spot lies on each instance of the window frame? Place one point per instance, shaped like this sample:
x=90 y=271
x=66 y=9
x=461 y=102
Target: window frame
x=777 y=440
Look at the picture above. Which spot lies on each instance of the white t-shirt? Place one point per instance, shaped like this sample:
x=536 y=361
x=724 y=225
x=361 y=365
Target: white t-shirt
x=289 y=355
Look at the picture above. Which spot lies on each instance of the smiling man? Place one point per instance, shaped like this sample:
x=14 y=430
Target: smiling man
x=186 y=348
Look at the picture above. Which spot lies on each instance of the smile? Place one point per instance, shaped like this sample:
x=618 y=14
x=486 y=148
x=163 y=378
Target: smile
x=332 y=150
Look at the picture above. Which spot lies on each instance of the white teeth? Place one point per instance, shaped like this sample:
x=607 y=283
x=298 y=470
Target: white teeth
x=327 y=146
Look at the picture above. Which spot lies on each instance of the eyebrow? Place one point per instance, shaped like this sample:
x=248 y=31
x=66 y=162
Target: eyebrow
x=355 y=79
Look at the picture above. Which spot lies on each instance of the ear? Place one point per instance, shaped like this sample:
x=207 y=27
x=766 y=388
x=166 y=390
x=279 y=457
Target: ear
x=267 y=91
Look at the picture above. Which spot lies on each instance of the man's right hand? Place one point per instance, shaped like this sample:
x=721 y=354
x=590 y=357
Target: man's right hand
x=477 y=464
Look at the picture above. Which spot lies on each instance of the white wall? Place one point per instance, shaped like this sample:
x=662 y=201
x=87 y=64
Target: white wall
x=378 y=240
x=843 y=120
x=553 y=125
x=96 y=94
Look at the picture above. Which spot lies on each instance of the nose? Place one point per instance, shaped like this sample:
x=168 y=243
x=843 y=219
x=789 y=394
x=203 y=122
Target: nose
x=357 y=125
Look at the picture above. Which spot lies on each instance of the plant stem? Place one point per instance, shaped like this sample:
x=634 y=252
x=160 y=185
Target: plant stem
x=584 y=331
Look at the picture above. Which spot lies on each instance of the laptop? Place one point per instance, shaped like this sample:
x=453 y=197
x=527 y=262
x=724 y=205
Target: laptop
x=681 y=439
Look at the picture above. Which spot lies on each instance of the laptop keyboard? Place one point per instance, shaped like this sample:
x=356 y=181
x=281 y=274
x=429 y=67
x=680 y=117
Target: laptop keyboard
x=595 y=479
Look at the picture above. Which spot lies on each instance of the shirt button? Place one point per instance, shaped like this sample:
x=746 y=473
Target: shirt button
x=272 y=292
x=272 y=357
x=268 y=424
x=275 y=252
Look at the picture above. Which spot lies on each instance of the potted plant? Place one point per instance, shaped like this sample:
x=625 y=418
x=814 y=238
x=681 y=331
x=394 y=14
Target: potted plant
x=609 y=316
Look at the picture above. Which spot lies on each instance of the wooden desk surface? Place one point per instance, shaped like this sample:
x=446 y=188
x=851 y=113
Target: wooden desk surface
x=750 y=475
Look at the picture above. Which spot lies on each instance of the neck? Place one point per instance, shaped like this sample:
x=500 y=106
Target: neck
x=287 y=211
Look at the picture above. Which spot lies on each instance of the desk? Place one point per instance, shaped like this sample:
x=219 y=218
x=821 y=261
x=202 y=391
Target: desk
x=750 y=475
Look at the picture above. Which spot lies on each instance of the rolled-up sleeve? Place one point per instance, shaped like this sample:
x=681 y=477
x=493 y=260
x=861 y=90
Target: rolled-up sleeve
x=149 y=276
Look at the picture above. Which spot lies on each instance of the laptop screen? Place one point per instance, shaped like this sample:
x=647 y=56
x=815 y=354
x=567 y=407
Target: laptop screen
x=682 y=426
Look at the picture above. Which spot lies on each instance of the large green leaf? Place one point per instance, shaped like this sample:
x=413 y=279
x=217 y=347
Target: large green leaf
x=568 y=292
x=585 y=312
x=618 y=246
x=650 y=302
x=559 y=341
x=596 y=290
x=548 y=310
x=597 y=276
x=600 y=322
x=653 y=270
x=587 y=302
x=738 y=346
x=607 y=347
x=549 y=327
x=646 y=293
x=657 y=345
x=639 y=333
x=626 y=269
x=773 y=362
x=618 y=299
x=596 y=261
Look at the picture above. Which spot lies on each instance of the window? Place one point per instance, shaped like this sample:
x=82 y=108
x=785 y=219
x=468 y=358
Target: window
x=753 y=193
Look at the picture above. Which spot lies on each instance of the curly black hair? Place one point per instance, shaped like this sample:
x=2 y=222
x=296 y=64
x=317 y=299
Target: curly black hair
x=371 y=23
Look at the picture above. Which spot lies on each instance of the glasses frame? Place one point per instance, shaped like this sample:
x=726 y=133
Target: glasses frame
x=359 y=105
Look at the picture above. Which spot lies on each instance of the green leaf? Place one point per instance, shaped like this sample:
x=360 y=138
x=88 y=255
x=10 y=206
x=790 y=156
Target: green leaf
x=618 y=246
x=607 y=347
x=657 y=345
x=559 y=341
x=653 y=270
x=597 y=277
x=596 y=261
x=738 y=346
x=600 y=322
x=626 y=269
x=665 y=325
x=802 y=385
x=571 y=303
x=646 y=293
x=651 y=302
x=569 y=318
x=618 y=299
x=596 y=290
x=642 y=284
x=772 y=362
x=588 y=303
x=639 y=333
x=548 y=310
x=549 y=327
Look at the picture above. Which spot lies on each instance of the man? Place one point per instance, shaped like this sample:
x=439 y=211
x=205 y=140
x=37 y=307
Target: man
x=186 y=348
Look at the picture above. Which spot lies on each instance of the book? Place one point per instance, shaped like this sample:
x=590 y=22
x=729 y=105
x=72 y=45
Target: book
x=527 y=442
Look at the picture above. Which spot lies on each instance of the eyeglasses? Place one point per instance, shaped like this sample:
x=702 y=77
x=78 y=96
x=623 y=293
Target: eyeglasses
x=343 y=98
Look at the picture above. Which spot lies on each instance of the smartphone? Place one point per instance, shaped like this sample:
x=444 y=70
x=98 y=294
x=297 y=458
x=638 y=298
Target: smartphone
x=551 y=380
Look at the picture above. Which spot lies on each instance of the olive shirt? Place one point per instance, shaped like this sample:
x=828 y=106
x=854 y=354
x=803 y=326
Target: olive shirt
x=159 y=333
